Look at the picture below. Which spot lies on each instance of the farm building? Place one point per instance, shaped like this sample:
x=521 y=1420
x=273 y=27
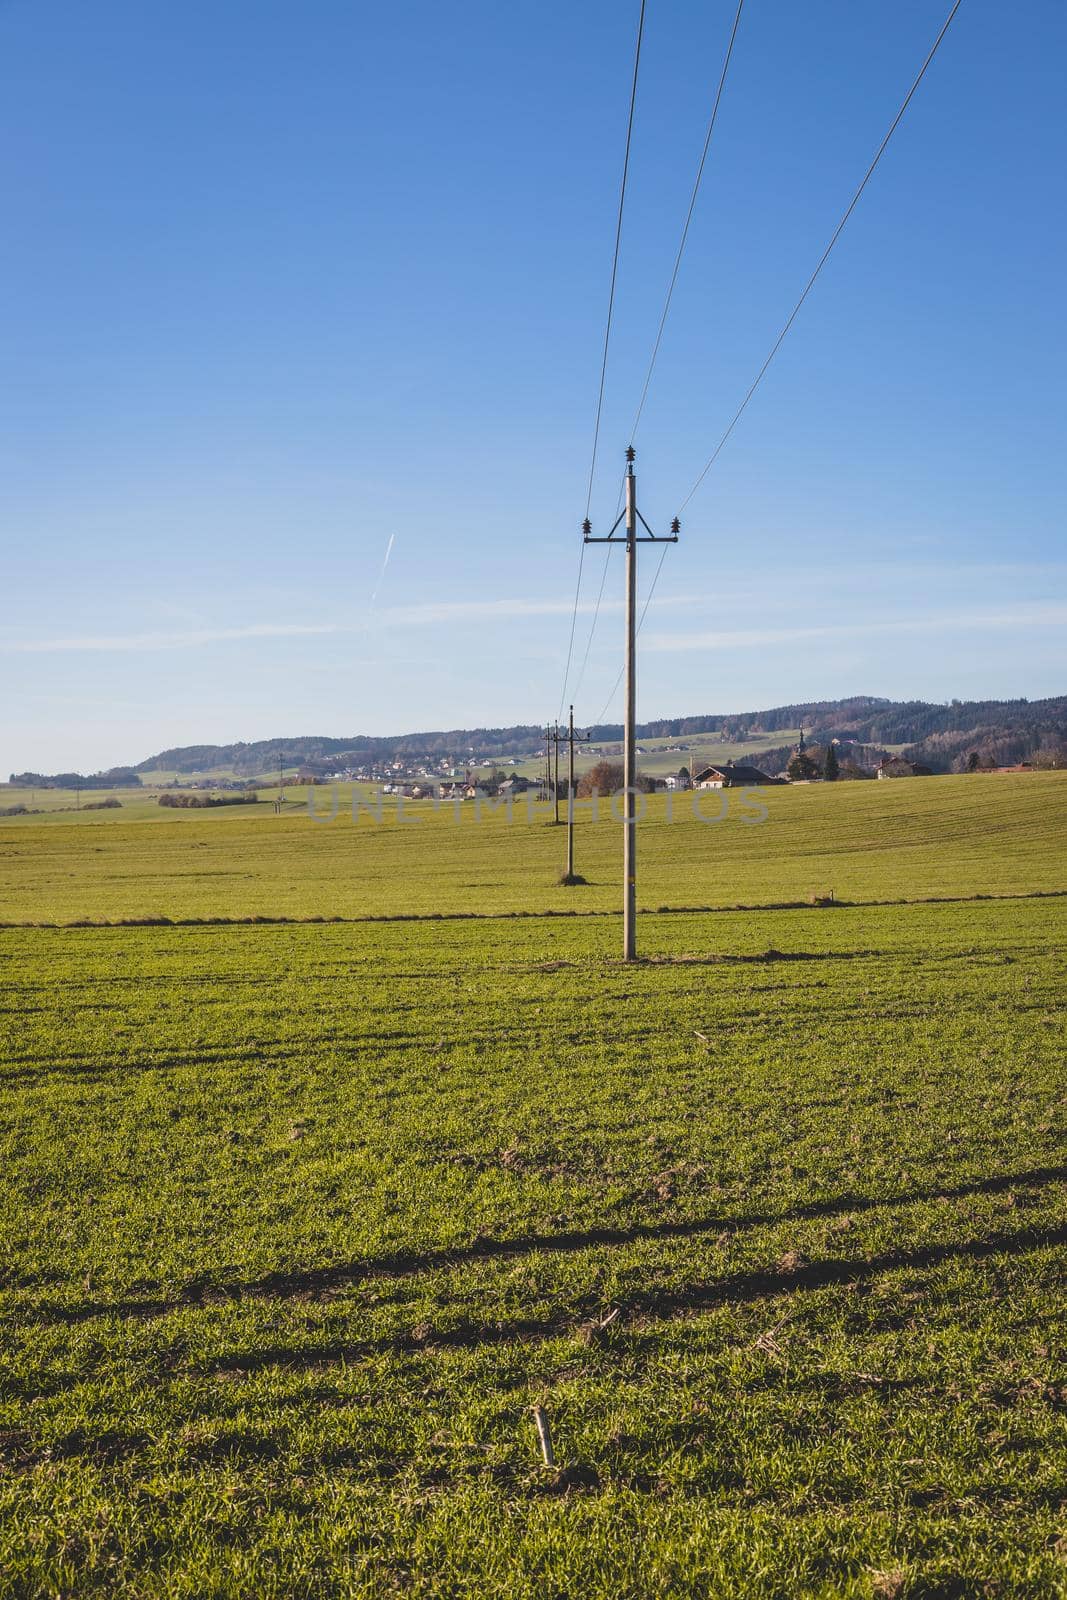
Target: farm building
x=897 y=767
x=731 y=776
x=459 y=790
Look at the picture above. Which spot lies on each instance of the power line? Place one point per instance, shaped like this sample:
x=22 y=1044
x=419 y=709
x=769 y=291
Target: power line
x=596 y=612
x=574 y=620
x=640 y=624
x=607 y=337
x=688 y=218
x=666 y=311
x=792 y=317
x=823 y=259
x=615 y=260
x=599 y=598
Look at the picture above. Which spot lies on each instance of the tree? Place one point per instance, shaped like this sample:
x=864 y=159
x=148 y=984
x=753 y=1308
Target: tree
x=972 y=761
x=801 y=768
x=607 y=777
x=831 y=769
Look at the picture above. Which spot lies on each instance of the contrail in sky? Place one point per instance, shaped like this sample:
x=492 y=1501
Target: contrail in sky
x=385 y=563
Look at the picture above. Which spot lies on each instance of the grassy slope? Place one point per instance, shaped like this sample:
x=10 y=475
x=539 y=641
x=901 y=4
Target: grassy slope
x=301 y=1220
x=51 y=804
x=865 y=841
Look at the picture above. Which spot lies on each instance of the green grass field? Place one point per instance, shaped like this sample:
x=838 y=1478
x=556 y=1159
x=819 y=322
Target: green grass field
x=302 y=1218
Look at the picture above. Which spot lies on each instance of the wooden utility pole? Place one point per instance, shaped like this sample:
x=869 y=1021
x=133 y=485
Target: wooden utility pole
x=552 y=738
x=570 y=795
x=629 y=829
x=570 y=799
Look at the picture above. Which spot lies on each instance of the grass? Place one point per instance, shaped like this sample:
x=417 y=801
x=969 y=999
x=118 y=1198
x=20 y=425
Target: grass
x=49 y=804
x=870 y=841
x=302 y=1220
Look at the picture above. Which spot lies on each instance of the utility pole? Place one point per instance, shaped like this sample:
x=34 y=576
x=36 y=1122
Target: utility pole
x=570 y=800
x=552 y=738
x=570 y=796
x=629 y=829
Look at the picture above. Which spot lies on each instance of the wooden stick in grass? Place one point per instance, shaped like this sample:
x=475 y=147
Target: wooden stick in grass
x=545 y=1435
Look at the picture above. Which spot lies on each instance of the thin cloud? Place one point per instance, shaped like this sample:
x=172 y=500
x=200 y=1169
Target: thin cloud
x=1036 y=616
x=188 y=640
x=481 y=610
x=428 y=613
x=419 y=615
x=504 y=610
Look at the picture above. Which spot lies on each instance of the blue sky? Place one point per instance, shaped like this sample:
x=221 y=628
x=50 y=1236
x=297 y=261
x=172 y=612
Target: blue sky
x=283 y=282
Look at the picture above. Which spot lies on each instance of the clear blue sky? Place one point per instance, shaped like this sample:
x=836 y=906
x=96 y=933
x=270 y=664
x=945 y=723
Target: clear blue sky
x=280 y=282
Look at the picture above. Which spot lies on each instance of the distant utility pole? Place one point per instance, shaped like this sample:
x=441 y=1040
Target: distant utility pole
x=552 y=738
x=571 y=736
x=629 y=829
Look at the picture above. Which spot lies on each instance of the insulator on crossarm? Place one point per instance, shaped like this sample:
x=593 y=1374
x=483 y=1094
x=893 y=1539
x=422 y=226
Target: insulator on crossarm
x=587 y=527
x=676 y=526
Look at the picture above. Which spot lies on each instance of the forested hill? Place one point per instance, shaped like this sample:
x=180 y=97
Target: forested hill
x=941 y=735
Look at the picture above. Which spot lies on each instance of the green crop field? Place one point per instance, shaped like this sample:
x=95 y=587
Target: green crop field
x=302 y=1217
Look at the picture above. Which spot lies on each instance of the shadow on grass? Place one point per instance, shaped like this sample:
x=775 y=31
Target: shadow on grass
x=758 y=958
x=662 y=1305
x=402 y=1264
x=328 y=1280
x=257 y=920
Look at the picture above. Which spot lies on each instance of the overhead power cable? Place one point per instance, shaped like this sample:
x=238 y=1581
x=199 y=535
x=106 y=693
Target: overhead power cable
x=640 y=623
x=792 y=317
x=596 y=612
x=688 y=218
x=822 y=260
x=666 y=310
x=607 y=338
x=599 y=597
x=615 y=259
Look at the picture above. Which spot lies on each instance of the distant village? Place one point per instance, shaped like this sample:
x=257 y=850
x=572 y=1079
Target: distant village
x=801 y=763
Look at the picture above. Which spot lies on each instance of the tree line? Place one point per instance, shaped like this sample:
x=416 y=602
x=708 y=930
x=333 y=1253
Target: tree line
x=113 y=778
